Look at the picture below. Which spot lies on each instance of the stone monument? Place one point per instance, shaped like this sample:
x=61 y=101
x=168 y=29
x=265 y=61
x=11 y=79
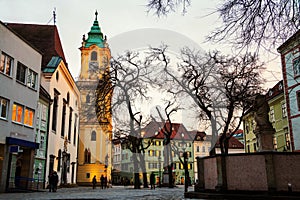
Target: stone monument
x=264 y=130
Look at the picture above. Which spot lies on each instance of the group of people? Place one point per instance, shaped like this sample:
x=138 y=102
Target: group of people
x=103 y=182
x=53 y=180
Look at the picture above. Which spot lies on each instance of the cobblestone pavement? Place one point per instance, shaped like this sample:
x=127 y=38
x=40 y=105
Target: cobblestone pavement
x=117 y=192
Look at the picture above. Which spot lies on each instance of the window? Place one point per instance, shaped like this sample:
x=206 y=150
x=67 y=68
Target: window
x=87 y=100
x=70 y=124
x=28 y=117
x=21 y=72
x=54 y=114
x=275 y=143
x=272 y=115
x=296 y=66
x=31 y=79
x=203 y=149
x=3 y=108
x=59 y=160
x=181 y=166
x=254 y=146
x=57 y=76
x=283 y=108
x=6 y=64
x=17 y=113
x=198 y=149
x=150 y=153
x=190 y=166
x=94 y=55
x=287 y=139
x=75 y=130
x=63 y=119
x=298 y=99
x=42 y=145
x=87 y=156
x=93 y=136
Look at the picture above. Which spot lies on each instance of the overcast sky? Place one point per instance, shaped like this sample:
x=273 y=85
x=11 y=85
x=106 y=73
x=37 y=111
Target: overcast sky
x=118 y=17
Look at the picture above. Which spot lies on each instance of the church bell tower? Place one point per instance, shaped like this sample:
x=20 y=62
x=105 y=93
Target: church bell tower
x=94 y=148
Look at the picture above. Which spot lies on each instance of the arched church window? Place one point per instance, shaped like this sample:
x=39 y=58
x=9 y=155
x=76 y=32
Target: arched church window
x=87 y=98
x=93 y=136
x=94 y=55
x=87 y=156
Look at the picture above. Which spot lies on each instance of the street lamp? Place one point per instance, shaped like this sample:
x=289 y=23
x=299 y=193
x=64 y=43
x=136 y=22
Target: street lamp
x=159 y=170
x=185 y=163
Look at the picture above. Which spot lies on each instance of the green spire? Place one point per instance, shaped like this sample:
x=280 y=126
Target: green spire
x=95 y=36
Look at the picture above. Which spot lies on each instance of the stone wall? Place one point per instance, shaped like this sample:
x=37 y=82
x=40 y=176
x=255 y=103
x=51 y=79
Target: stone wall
x=262 y=171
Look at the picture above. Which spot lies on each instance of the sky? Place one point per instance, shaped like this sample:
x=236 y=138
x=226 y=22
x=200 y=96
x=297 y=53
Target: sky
x=125 y=23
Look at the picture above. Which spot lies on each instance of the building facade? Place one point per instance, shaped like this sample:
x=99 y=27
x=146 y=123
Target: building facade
x=20 y=69
x=202 y=145
x=58 y=82
x=278 y=118
x=290 y=61
x=94 y=151
x=63 y=122
x=42 y=129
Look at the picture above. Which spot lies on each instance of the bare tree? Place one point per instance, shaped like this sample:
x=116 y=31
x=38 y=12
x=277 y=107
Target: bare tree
x=197 y=76
x=167 y=130
x=240 y=81
x=164 y=7
x=128 y=78
x=220 y=86
x=246 y=24
x=260 y=24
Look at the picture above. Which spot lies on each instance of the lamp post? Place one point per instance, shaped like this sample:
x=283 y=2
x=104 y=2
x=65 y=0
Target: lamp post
x=185 y=163
x=159 y=170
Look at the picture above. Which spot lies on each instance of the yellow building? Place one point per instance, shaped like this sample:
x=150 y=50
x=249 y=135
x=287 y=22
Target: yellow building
x=278 y=118
x=94 y=147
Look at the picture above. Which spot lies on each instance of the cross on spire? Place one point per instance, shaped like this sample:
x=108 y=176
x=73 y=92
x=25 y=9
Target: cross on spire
x=96 y=13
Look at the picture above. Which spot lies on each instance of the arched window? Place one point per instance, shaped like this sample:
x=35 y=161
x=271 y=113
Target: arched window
x=59 y=158
x=87 y=98
x=94 y=55
x=68 y=97
x=93 y=136
x=87 y=156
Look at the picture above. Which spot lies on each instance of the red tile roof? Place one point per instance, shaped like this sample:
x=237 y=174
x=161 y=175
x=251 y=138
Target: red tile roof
x=44 y=37
x=276 y=90
x=233 y=144
x=156 y=129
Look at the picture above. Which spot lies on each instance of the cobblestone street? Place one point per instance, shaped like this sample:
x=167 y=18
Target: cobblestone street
x=117 y=192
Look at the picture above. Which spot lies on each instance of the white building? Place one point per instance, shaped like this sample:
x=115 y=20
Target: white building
x=57 y=80
x=20 y=68
x=63 y=122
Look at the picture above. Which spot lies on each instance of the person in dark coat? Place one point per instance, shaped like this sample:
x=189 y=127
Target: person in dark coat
x=105 y=182
x=94 y=181
x=51 y=182
x=55 y=181
x=152 y=181
x=102 y=181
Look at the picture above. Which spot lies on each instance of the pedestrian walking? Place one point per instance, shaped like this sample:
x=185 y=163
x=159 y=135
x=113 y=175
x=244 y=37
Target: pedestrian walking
x=152 y=181
x=94 y=182
x=102 y=181
x=55 y=181
x=51 y=182
x=105 y=182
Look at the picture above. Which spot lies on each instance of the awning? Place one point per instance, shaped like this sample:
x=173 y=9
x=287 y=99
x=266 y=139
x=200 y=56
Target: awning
x=22 y=143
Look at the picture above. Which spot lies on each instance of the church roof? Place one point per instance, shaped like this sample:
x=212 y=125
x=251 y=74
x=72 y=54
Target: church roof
x=95 y=36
